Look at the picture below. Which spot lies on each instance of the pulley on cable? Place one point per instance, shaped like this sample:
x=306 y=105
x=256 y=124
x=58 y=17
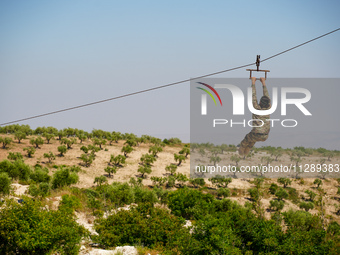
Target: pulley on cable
x=257 y=69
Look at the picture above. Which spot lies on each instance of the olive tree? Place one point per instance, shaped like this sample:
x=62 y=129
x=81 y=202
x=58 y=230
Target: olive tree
x=30 y=151
x=62 y=149
x=50 y=156
x=100 y=180
x=144 y=170
x=171 y=169
x=185 y=151
x=19 y=136
x=180 y=158
x=36 y=141
x=110 y=170
x=155 y=150
x=48 y=137
x=126 y=150
x=118 y=160
x=5 y=141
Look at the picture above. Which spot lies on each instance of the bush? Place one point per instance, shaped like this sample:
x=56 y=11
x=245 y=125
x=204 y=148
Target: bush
x=143 y=224
x=306 y=206
x=318 y=182
x=171 y=168
x=220 y=181
x=5 y=141
x=277 y=205
x=293 y=195
x=162 y=194
x=119 y=193
x=144 y=170
x=50 y=156
x=118 y=160
x=42 y=189
x=15 y=156
x=255 y=194
x=69 y=203
x=281 y=194
x=62 y=149
x=223 y=192
x=273 y=188
x=180 y=158
x=30 y=151
x=111 y=170
x=40 y=175
x=63 y=177
x=284 y=181
x=158 y=181
x=87 y=159
x=16 y=170
x=28 y=229
x=197 y=182
x=5 y=184
x=189 y=203
x=36 y=141
x=144 y=195
x=100 y=180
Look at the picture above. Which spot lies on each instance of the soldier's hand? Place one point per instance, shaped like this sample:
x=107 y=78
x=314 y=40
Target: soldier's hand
x=263 y=80
x=253 y=80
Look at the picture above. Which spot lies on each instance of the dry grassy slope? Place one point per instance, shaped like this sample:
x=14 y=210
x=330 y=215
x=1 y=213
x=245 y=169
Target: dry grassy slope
x=166 y=157
x=102 y=158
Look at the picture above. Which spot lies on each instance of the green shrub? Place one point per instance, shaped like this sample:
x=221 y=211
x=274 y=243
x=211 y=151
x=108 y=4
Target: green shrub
x=50 y=156
x=40 y=175
x=171 y=169
x=254 y=193
x=149 y=226
x=62 y=149
x=223 y=192
x=189 y=203
x=15 y=156
x=284 y=181
x=5 y=184
x=28 y=229
x=16 y=170
x=69 y=203
x=306 y=206
x=277 y=205
x=162 y=194
x=220 y=181
x=197 y=182
x=119 y=193
x=171 y=182
x=144 y=195
x=273 y=188
x=158 y=181
x=42 y=189
x=311 y=194
x=36 y=141
x=293 y=195
x=30 y=151
x=5 y=141
x=63 y=177
x=281 y=194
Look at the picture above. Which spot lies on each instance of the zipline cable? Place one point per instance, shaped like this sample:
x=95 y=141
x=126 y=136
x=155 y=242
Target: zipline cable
x=166 y=85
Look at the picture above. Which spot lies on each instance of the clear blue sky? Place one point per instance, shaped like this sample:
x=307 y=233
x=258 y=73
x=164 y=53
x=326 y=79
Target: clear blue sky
x=58 y=54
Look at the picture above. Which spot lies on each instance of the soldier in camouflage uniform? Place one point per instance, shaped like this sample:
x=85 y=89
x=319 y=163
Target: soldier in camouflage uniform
x=262 y=126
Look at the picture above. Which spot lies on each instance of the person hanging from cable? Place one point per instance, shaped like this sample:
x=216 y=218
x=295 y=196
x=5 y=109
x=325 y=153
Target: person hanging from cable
x=260 y=131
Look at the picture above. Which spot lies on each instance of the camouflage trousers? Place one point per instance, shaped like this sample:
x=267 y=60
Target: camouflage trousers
x=249 y=141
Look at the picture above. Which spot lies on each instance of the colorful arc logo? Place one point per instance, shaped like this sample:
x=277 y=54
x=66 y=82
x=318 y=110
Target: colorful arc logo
x=207 y=91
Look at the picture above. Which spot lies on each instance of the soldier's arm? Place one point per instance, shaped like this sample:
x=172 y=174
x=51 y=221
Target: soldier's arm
x=255 y=104
x=265 y=90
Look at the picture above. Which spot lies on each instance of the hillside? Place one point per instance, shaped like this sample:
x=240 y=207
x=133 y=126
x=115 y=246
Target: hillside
x=262 y=197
